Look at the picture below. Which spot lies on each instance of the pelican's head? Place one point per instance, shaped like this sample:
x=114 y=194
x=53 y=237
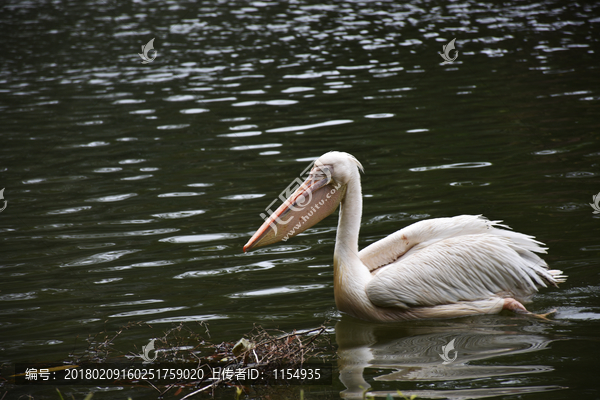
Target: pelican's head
x=316 y=198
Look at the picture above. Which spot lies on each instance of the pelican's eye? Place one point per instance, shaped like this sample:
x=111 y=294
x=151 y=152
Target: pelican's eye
x=321 y=172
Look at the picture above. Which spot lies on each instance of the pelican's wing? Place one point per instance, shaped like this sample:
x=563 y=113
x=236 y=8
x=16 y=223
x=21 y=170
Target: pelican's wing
x=448 y=260
x=394 y=246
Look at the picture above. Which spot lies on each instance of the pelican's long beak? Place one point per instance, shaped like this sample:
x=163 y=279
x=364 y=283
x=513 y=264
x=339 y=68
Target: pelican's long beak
x=315 y=199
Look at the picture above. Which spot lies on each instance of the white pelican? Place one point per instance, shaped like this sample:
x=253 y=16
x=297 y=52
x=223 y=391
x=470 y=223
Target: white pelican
x=442 y=267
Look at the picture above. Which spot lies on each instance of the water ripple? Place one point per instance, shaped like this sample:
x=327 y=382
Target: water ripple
x=380 y=115
x=243 y=196
x=18 y=296
x=173 y=126
x=241 y=134
x=107 y=170
x=208 y=237
x=99 y=258
x=132 y=303
x=311 y=126
x=181 y=194
x=69 y=210
x=297 y=89
x=194 y=110
x=187 y=318
x=147 y=312
x=281 y=249
x=263 y=265
x=256 y=146
x=452 y=166
x=267 y=102
x=147 y=232
x=278 y=290
x=179 y=214
x=115 y=197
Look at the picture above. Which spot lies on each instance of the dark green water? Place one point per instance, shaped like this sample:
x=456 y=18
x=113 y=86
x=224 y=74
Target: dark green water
x=132 y=187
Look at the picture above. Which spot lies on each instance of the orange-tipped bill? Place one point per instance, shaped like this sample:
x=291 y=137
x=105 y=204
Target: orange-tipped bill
x=314 y=200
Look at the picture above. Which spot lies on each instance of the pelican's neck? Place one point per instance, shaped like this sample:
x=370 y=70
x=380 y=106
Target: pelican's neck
x=350 y=275
x=350 y=215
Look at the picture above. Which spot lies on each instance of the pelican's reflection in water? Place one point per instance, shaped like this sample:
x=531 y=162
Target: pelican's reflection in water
x=410 y=352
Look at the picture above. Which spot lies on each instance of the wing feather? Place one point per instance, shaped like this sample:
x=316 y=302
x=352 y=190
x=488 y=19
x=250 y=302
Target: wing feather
x=392 y=247
x=448 y=260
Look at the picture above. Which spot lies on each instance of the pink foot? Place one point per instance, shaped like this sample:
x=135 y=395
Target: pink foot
x=518 y=308
x=514 y=306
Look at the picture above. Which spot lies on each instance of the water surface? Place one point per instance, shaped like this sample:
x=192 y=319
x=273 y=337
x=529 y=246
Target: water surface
x=132 y=187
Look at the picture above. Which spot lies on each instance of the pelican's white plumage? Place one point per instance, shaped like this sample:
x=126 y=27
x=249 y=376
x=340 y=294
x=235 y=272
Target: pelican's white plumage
x=441 y=267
